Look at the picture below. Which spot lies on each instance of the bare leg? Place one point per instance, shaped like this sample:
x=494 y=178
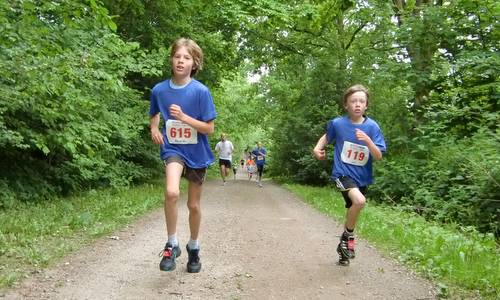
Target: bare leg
x=173 y=172
x=223 y=172
x=358 y=202
x=193 y=203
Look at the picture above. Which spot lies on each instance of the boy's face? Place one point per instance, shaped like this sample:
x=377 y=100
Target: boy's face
x=356 y=104
x=182 y=63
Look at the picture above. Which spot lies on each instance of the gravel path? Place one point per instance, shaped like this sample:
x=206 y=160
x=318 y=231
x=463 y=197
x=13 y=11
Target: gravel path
x=256 y=243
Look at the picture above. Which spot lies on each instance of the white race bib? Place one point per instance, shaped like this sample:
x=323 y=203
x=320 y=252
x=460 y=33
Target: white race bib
x=354 y=154
x=180 y=133
x=260 y=157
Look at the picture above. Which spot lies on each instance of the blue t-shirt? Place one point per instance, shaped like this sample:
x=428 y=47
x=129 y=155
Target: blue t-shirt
x=351 y=156
x=196 y=101
x=260 y=158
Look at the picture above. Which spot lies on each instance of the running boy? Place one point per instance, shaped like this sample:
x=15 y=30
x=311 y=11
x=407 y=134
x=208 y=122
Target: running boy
x=250 y=167
x=260 y=160
x=358 y=140
x=187 y=108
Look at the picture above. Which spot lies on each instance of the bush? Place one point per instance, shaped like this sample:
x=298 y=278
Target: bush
x=456 y=181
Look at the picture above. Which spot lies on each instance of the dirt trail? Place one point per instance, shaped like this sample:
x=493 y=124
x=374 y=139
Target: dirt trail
x=256 y=243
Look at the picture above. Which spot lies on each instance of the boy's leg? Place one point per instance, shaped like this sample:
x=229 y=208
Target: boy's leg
x=196 y=178
x=355 y=202
x=358 y=202
x=260 y=170
x=194 y=196
x=173 y=172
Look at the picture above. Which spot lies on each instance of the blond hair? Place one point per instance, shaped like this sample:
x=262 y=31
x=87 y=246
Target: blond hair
x=193 y=49
x=356 y=88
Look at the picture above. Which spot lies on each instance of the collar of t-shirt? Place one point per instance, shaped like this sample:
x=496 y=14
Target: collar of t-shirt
x=177 y=87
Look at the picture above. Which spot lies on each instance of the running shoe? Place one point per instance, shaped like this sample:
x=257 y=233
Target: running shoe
x=169 y=254
x=343 y=253
x=194 y=264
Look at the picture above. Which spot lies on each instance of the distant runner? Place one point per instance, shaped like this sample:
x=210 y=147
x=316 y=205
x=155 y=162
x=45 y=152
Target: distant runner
x=260 y=154
x=225 y=149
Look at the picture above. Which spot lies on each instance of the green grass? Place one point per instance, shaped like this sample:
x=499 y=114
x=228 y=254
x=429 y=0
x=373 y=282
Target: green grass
x=464 y=263
x=33 y=235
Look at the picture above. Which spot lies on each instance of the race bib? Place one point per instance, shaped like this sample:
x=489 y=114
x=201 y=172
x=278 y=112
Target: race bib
x=180 y=133
x=260 y=157
x=354 y=154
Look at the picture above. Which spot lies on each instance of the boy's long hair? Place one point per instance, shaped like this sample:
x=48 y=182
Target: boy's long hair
x=356 y=88
x=193 y=49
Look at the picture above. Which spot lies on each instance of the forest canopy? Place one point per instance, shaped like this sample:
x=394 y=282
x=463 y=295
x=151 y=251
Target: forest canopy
x=76 y=77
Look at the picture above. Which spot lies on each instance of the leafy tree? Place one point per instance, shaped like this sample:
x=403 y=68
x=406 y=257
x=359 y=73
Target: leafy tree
x=67 y=121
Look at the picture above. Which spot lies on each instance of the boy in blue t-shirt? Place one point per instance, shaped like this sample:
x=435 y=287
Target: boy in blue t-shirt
x=358 y=140
x=188 y=110
x=260 y=160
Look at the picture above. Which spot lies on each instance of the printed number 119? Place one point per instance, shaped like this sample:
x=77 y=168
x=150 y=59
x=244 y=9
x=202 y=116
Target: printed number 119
x=357 y=155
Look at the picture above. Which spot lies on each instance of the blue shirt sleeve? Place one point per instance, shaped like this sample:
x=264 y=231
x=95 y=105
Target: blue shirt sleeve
x=153 y=104
x=379 y=141
x=207 y=106
x=330 y=132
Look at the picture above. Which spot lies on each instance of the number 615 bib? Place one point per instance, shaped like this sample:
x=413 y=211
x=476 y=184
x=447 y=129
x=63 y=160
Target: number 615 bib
x=354 y=154
x=180 y=133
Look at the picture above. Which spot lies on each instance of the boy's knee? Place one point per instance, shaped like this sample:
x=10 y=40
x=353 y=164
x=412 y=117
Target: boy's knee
x=172 y=194
x=359 y=201
x=193 y=206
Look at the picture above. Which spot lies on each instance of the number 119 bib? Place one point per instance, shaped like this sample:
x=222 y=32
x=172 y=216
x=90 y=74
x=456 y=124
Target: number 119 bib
x=354 y=154
x=180 y=133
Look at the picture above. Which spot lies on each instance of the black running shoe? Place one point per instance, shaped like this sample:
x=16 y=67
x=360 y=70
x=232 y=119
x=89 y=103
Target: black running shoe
x=194 y=264
x=343 y=253
x=349 y=238
x=169 y=254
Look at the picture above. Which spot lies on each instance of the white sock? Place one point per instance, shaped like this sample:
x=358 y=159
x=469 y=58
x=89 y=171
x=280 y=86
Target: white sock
x=193 y=244
x=172 y=239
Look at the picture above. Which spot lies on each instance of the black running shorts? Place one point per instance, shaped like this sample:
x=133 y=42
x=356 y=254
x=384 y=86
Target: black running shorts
x=346 y=183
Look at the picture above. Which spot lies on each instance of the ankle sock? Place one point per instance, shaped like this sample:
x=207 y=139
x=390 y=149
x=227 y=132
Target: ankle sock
x=193 y=244
x=347 y=233
x=172 y=239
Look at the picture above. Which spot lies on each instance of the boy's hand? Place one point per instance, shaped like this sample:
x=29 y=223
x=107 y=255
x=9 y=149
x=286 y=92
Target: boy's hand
x=176 y=112
x=362 y=136
x=156 y=136
x=320 y=154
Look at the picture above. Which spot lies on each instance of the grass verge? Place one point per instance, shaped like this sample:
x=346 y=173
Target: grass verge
x=464 y=264
x=33 y=235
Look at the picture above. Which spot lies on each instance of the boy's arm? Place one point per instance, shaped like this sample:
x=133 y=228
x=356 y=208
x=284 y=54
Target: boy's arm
x=319 y=150
x=374 y=150
x=156 y=135
x=200 y=126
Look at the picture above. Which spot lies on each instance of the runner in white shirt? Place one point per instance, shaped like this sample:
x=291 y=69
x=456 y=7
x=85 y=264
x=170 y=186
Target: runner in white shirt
x=225 y=149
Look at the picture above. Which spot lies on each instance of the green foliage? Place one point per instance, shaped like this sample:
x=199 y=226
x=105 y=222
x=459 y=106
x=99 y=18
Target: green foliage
x=432 y=69
x=462 y=261
x=239 y=112
x=213 y=25
x=67 y=120
x=33 y=235
x=452 y=181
